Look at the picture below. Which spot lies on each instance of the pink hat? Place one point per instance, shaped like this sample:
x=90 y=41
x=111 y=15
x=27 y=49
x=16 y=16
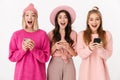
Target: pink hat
x=63 y=7
x=30 y=7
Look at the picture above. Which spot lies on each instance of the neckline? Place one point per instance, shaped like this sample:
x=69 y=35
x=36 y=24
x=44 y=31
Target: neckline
x=30 y=32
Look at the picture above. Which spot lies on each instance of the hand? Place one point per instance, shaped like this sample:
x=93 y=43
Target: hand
x=24 y=46
x=99 y=45
x=58 y=45
x=65 y=45
x=91 y=46
x=28 y=44
x=31 y=45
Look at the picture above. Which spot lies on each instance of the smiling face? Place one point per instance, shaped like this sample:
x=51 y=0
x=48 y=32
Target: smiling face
x=62 y=20
x=30 y=18
x=94 y=22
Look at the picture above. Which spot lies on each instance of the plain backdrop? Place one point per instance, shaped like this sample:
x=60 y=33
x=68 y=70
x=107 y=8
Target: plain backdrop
x=11 y=19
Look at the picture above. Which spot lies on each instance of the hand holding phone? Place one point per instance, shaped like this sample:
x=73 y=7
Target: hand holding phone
x=28 y=44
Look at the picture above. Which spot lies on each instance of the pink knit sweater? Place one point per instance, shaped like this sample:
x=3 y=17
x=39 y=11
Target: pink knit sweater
x=30 y=65
x=93 y=65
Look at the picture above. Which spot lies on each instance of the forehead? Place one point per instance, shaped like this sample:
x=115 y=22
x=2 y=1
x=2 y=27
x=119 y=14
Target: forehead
x=29 y=12
x=94 y=15
x=62 y=13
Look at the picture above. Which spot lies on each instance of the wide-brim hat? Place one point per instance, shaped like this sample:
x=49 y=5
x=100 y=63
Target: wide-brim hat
x=59 y=8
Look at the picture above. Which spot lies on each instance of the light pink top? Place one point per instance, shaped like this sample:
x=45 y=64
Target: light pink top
x=63 y=53
x=30 y=65
x=93 y=65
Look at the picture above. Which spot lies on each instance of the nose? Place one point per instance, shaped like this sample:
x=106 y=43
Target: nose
x=29 y=17
x=94 y=21
x=63 y=19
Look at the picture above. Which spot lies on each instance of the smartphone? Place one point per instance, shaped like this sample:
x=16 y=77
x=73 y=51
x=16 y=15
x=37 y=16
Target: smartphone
x=26 y=39
x=97 y=40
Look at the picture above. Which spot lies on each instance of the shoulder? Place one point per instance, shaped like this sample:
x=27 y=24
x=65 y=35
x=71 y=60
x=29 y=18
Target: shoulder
x=50 y=33
x=108 y=34
x=73 y=32
x=81 y=33
x=42 y=31
x=17 y=32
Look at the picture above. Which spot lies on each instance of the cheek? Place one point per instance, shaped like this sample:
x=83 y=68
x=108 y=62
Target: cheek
x=89 y=23
x=33 y=19
x=99 y=23
x=25 y=19
x=66 y=21
x=58 y=22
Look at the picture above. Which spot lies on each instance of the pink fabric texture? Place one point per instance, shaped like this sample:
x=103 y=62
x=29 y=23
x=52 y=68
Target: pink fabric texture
x=93 y=65
x=63 y=53
x=30 y=65
x=61 y=65
x=63 y=7
x=31 y=8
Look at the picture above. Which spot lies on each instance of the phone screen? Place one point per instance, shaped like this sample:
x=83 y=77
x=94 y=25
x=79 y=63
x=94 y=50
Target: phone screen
x=97 y=40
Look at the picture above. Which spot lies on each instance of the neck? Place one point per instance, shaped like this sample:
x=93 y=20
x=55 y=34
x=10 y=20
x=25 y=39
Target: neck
x=94 y=32
x=29 y=30
x=62 y=31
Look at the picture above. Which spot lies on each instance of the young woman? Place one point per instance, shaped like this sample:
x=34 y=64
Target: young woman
x=29 y=48
x=63 y=41
x=94 y=46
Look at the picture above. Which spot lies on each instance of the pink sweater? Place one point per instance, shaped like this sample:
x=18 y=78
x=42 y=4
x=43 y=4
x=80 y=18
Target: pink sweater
x=30 y=65
x=93 y=65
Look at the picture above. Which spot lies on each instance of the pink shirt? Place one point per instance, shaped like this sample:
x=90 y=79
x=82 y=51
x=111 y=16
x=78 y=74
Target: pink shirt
x=93 y=65
x=63 y=53
x=30 y=65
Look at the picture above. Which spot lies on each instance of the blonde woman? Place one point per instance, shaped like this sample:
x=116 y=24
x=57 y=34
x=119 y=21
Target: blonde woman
x=29 y=48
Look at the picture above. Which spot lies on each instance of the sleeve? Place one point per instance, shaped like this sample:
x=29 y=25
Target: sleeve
x=43 y=54
x=15 y=54
x=105 y=53
x=82 y=50
x=50 y=35
x=74 y=38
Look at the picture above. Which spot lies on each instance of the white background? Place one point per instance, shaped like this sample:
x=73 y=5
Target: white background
x=11 y=19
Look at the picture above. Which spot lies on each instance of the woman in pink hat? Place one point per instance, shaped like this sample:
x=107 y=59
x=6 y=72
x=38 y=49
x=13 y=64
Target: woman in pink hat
x=94 y=46
x=63 y=42
x=28 y=49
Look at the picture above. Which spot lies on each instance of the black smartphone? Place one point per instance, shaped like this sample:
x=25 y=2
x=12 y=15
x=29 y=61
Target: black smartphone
x=97 y=40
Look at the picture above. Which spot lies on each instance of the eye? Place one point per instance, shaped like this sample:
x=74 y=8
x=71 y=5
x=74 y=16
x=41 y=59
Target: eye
x=26 y=15
x=91 y=19
x=65 y=17
x=33 y=15
x=59 y=17
x=97 y=19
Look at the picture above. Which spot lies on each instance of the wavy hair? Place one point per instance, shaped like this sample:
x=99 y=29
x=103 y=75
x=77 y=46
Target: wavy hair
x=56 y=33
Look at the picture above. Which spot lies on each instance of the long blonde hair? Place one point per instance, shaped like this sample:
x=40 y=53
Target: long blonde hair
x=100 y=31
